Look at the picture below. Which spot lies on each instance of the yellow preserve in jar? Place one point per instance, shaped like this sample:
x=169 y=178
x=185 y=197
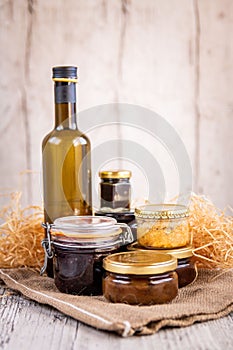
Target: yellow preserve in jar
x=163 y=226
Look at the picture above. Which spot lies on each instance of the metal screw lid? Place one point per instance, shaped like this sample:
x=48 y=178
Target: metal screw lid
x=179 y=253
x=65 y=72
x=162 y=211
x=115 y=174
x=140 y=263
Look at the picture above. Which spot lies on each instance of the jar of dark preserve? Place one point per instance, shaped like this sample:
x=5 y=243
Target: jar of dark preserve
x=115 y=190
x=186 y=266
x=79 y=244
x=140 y=278
x=123 y=217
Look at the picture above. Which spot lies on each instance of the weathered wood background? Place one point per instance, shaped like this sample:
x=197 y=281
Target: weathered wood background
x=174 y=57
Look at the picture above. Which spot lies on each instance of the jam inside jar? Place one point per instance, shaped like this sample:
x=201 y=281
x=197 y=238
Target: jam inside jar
x=186 y=265
x=79 y=270
x=140 y=290
x=115 y=190
x=163 y=226
x=140 y=278
x=79 y=244
x=125 y=217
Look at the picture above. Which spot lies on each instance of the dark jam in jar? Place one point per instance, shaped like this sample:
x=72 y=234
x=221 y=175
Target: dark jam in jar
x=186 y=271
x=79 y=271
x=79 y=245
x=140 y=290
x=140 y=278
x=186 y=266
x=115 y=189
x=126 y=217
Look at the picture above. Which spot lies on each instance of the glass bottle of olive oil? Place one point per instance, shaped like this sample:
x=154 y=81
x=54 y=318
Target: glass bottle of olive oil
x=66 y=154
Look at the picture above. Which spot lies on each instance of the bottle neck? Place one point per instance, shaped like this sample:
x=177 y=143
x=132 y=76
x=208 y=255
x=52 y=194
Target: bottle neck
x=65 y=105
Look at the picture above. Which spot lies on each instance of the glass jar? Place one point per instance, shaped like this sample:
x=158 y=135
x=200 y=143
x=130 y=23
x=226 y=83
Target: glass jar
x=79 y=244
x=163 y=226
x=115 y=190
x=123 y=217
x=186 y=265
x=140 y=278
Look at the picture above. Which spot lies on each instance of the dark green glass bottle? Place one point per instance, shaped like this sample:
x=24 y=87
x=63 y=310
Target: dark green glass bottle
x=66 y=155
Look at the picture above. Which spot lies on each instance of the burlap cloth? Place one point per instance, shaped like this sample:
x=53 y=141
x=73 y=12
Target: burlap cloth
x=210 y=297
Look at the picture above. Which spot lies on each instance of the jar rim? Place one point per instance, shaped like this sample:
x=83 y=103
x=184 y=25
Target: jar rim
x=179 y=253
x=85 y=227
x=140 y=263
x=85 y=222
x=88 y=245
x=162 y=211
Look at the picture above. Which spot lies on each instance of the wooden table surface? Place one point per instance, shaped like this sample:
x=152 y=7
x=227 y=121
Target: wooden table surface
x=25 y=324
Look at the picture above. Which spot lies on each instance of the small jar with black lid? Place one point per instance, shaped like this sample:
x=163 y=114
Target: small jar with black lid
x=115 y=190
x=140 y=278
x=79 y=244
x=186 y=266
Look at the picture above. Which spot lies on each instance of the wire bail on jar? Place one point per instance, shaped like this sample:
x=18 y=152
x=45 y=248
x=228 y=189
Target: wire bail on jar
x=103 y=233
x=47 y=245
x=125 y=238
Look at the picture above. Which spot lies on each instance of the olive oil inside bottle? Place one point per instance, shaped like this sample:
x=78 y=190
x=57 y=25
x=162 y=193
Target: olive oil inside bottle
x=66 y=155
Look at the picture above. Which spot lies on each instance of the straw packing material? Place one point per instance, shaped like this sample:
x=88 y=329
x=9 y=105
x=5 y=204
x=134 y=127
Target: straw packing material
x=21 y=234
x=212 y=232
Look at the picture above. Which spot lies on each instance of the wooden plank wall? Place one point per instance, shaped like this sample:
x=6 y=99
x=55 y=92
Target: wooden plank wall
x=174 y=57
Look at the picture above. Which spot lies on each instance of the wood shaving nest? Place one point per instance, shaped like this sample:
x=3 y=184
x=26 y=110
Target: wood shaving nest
x=21 y=234
x=212 y=232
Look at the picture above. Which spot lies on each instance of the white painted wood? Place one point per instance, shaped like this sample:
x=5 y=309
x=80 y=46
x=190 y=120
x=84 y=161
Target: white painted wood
x=26 y=325
x=14 y=156
x=157 y=72
x=216 y=100
x=174 y=57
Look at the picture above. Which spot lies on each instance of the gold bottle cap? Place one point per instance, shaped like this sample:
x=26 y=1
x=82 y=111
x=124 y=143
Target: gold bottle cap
x=162 y=211
x=115 y=174
x=179 y=253
x=140 y=262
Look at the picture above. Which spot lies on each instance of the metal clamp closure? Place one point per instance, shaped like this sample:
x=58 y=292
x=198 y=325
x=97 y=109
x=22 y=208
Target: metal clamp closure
x=128 y=237
x=47 y=245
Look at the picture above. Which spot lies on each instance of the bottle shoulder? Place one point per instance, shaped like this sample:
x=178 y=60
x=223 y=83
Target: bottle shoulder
x=57 y=136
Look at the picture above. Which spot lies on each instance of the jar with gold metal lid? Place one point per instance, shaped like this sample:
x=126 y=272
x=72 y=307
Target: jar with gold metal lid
x=140 y=278
x=163 y=226
x=78 y=245
x=115 y=190
x=186 y=266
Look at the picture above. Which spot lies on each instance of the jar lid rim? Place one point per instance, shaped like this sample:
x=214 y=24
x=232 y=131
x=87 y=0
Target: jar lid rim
x=179 y=253
x=140 y=263
x=85 y=222
x=90 y=236
x=162 y=211
x=85 y=227
x=115 y=174
x=88 y=245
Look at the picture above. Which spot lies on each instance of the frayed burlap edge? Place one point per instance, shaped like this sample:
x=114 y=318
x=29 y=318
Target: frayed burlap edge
x=88 y=309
